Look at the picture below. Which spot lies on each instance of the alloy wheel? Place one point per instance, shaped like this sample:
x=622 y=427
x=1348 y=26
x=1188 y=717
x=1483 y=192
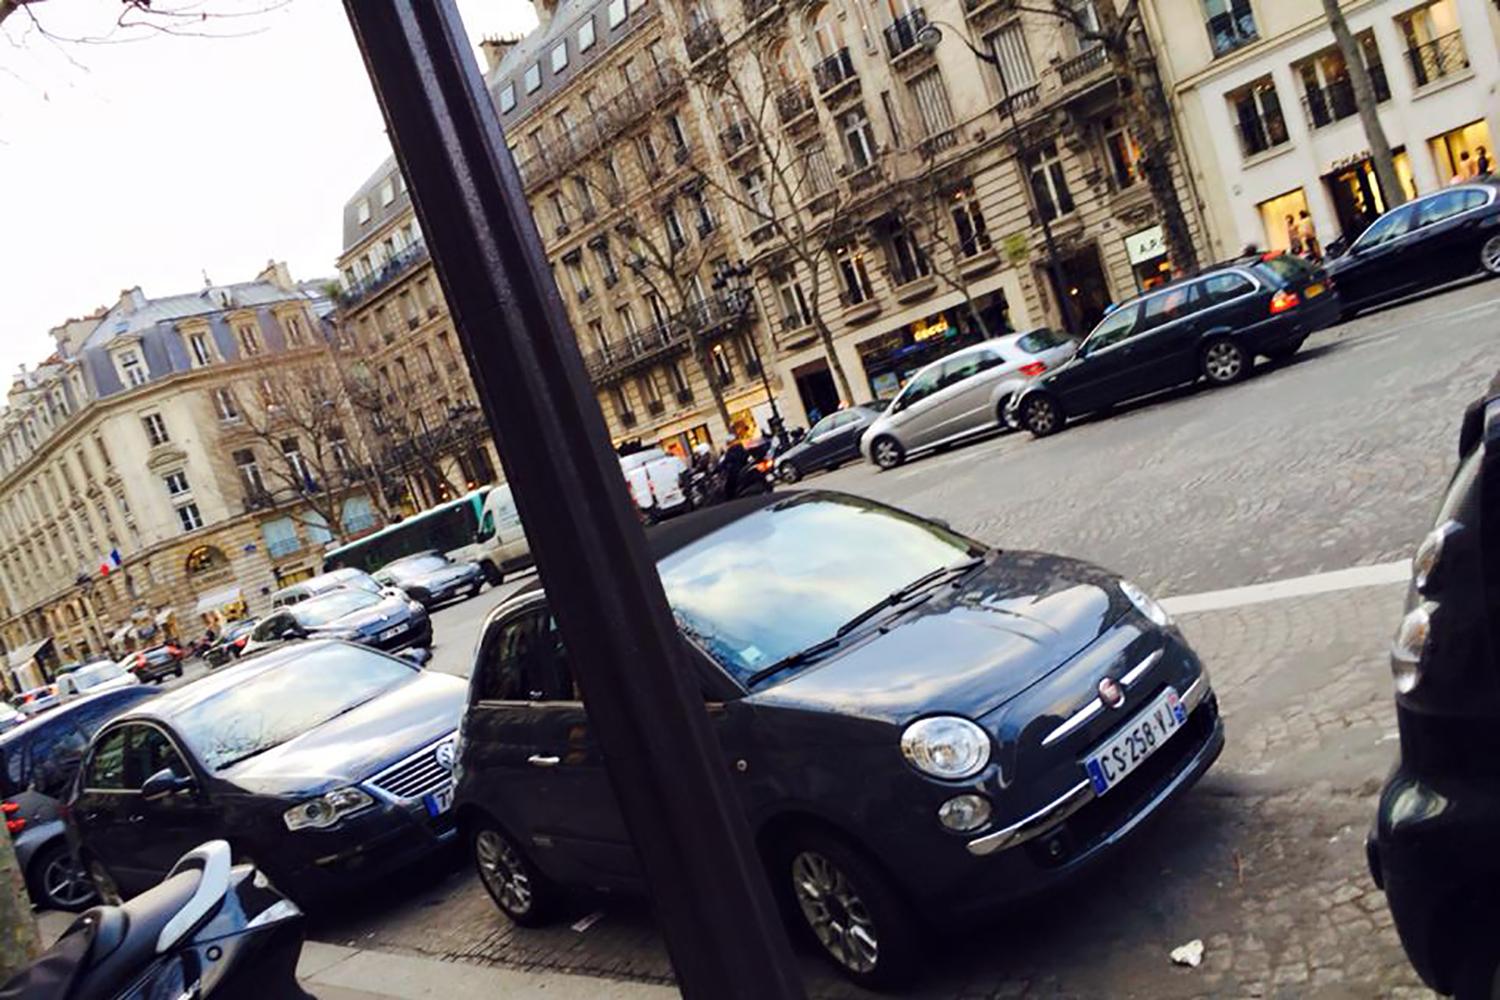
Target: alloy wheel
x=789 y=472
x=1489 y=255
x=834 y=911
x=503 y=872
x=65 y=882
x=1223 y=362
x=1041 y=415
x=887 y=453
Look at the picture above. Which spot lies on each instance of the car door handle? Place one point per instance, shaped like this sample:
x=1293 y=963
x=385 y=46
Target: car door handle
x=537 y=760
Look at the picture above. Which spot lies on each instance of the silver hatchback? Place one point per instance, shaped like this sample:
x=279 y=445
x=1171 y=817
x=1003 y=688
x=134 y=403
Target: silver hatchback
x=962 y=394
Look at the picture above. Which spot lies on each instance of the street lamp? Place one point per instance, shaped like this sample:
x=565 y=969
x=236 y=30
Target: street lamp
x=732 y=279
x=929 y=38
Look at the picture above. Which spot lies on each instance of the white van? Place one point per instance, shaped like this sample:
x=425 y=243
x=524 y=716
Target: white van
x=655 y=479
x=500 y=541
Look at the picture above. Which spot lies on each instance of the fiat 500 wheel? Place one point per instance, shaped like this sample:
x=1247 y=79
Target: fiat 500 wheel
x=517 y=888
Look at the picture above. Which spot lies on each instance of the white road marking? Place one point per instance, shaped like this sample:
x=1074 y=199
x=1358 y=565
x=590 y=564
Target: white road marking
x=1381 y=574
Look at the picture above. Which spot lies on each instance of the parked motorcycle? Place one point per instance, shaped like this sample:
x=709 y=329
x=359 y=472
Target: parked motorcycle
x=211 y=930
x=746 y=467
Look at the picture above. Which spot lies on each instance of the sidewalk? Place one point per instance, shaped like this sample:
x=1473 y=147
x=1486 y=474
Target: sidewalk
x=332 y=972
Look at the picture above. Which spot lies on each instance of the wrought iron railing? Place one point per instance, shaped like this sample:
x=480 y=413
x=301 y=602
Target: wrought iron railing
x=1261 y=131
x=404 y=260
x=1438 y=58
x=832 y=72
x=757 y=9
x=793 y=102
x=1020 y=100
x=703 y=38
x=901 y=34
x=1335 y=102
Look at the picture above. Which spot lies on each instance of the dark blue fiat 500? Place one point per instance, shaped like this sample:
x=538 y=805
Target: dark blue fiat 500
x=918 y=724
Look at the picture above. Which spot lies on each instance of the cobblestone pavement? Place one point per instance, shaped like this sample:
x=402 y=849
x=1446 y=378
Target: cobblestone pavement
x=1335 y=460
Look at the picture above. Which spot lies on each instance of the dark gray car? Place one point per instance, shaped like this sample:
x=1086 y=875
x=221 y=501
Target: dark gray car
x=831 y=442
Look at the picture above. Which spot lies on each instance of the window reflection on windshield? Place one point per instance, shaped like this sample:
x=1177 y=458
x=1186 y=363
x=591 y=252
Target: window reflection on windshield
x=786 y=577
x=417 y=564
x=322 y=610
x=285 y=701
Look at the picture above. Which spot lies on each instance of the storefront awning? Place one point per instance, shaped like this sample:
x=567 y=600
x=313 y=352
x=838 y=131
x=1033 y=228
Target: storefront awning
x=28 y=652
x=217 y=599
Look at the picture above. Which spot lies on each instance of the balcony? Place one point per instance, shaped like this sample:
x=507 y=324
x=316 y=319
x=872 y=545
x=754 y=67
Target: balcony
x=1439 y=58
x=702 y=40
x=864 y=178
x=1335 y=102
x=655 y=407
x=794 y=104
x=1019 y=100
x=935 y=145
x=684 y=397
x=402 y=263
x=757 y=11
x=834 y=74
x=735 y=141
x=901 y=34
x=1261 y=131
x=1091 y=60
x=909 y=287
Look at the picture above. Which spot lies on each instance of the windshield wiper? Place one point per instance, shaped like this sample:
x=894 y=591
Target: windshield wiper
x=795 y=659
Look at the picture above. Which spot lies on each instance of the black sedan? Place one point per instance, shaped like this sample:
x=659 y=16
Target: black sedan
x=230 y=643
x=155 y=664
x=388 y=623
x=430 y=578
x=324 y=763
x=1211 y=326
x=1432 y=847
x=831 y=442
x=1439 y=238
x=922 y=726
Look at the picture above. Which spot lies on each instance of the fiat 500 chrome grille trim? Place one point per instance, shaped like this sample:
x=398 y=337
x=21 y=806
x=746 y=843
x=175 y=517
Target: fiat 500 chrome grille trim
x=1081 y=717
x=1069 y=802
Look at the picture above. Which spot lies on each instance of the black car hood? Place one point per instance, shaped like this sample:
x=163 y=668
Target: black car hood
x=436 y=578
x=355 y=746
x=392 y=610
x=965 y=652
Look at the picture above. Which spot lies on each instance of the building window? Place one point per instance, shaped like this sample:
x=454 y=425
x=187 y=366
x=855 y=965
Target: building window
x=586 y=35
x=679 y=382
x=616 y=13
x=583 y=196
x=1013 y=59
x=132 y=368
x=156 y=430
x=606 y=261
x=249 y=341
x=1257 y=115
x=199 y=348
x=793 y=301
x=532 y=79
x=338 y=446
x=1434 y=43
x=249 y=470
x=578 y=277
x=817 y=168
x=907 y=260
x=600 y=338
x=968 y=222
x=672 y=226
x=622 y=405
x=188 y=516
x=650 y=391
x=755 y=200
x=650 y=159
x=1328 y=95
x=177 y=485
x=225 y=404
x=296 y=335
x=723 y=370
x=702 y=213
x=291 y=451
x=628 y=325
x=388 y=191
x=1231 y=24
x=559 y=212
x=853 y=275
x=678 y=136
x=859 y=138
x=1049 y=188
x=1085 y=19
x=507 y=97
x=934 y=111
x=362 y=209
x=1123 y=154
x=560 y=56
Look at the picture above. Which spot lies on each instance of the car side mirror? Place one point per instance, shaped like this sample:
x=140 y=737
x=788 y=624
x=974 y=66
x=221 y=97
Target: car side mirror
x=420 y=655
x=163 y=783
x=389 y=591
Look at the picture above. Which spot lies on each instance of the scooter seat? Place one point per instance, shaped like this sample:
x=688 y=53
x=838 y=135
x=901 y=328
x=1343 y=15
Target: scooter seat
x=125 y=936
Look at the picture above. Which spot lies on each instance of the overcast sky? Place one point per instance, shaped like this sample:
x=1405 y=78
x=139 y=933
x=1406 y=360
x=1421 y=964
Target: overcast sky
x=151 y=162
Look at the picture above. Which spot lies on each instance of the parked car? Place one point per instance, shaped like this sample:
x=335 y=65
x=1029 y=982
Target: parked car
x=9 y=717
x=655 y=480
x=1211 y=326
x=1435 y=239
x=1431 y=848
x=231 y=642
x=828 y=444
x=37 y=762
x=963 y=394
x=931 y=727
x=92 y=678
x=431 y=578
x=325 y=763
x=34 y=700
x=155 y=664
x=348 y=578
x=389 y=623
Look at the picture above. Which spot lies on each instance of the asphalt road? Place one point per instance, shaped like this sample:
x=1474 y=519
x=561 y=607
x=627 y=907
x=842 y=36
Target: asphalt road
x=1332 y=461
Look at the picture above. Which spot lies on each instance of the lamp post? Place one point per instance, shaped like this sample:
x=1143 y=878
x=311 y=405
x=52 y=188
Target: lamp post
x=929 y=38
x=732 y=280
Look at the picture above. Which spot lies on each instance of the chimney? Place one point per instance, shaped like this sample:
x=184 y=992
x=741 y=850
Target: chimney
x=276 y=273
x=544 y=11
x=132 y=299
x=494 y=49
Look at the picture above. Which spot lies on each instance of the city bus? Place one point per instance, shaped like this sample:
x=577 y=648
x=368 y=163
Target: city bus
x=482 y=526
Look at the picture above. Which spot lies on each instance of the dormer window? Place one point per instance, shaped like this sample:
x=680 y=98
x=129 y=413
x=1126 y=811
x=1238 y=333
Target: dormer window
x=249 y=340
x=200 y=348
x=132 y=368
x=507 y=97
x=363 y=210
x=533 y=78
x=296 y=333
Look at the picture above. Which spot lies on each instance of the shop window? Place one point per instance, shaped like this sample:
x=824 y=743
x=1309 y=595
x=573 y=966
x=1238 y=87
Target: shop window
x=1280 y=216
x=1434 y=44
x=1231 y=23
x=1257 y=114
x=1327 y=94
x=1463 y=153
x=1049 y=186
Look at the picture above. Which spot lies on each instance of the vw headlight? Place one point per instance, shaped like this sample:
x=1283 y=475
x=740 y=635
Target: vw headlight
x=326 y=810
x=1430 y=553
x=1145 y=604
x=946 y=746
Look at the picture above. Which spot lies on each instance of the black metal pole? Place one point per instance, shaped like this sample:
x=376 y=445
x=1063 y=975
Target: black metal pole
x=645 y=704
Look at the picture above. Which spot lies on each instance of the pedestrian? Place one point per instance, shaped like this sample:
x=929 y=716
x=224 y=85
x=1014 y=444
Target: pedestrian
x=1465 y=168
x=1481 y=162
x=814 y=415
x=1307 y=237
x=1293 y=242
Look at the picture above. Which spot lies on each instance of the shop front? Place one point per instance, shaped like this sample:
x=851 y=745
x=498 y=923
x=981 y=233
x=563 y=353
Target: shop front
x=1463 y=153
x=893 y=357
x=1147 y=252
x=217 y=608
x=1355 y=191
x=1280 y=216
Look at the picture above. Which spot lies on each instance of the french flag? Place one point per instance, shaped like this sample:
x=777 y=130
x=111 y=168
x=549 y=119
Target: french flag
x=110 y=563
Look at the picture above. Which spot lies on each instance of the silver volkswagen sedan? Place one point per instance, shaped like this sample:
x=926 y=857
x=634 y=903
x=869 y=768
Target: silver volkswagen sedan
x=962 y=394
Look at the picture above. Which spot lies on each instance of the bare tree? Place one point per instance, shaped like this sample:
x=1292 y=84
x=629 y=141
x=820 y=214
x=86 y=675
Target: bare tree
x=1365 y=101
x=137 y=19
x=395 y=429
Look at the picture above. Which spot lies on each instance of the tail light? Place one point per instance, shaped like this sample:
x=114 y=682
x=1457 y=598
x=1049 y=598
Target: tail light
x=1033 y=369
x=763 y=466
x=1284 y=300
x=13 y=822
x=240 y=642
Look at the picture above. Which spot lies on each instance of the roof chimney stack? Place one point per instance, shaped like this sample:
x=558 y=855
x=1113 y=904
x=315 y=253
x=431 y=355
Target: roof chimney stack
x=494 y=49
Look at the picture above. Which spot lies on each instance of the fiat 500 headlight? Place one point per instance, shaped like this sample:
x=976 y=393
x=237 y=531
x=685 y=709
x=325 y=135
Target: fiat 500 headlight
x=326 y=810
x=946 y=746
x=1145 y=603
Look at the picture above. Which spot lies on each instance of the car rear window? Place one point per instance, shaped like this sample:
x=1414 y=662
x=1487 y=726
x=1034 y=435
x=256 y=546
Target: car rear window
x=1288 y=268
x=1038 y=341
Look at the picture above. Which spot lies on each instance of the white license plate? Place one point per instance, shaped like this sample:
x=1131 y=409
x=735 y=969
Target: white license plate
x=438 y=802
x=391 y=633
x=1137 y=740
